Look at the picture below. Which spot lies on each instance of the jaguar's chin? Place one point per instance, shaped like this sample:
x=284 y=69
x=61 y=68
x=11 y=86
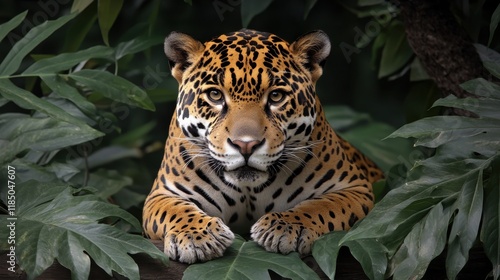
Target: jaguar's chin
x=246 y=176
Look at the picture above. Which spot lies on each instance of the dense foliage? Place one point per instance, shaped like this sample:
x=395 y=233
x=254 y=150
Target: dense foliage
x=59 y=205
x=76 y=139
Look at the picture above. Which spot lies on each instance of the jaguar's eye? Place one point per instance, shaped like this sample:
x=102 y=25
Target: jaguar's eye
x=276 y=97
x=215 y=96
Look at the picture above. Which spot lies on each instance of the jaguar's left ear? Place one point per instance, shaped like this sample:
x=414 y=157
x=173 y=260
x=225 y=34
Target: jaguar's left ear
x=312 y=49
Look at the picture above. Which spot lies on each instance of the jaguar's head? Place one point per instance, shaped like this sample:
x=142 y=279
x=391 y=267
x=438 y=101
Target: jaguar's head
x=247 y=99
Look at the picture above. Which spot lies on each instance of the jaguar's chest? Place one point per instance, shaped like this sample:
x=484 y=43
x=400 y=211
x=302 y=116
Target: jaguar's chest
x=242 y=206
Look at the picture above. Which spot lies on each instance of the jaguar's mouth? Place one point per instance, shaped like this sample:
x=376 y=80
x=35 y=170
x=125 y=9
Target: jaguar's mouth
x=246 y=174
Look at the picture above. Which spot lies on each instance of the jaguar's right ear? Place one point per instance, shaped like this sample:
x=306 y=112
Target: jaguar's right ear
x=182 y=51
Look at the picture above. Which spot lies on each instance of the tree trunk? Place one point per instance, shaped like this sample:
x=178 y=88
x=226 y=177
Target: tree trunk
x=442 y=45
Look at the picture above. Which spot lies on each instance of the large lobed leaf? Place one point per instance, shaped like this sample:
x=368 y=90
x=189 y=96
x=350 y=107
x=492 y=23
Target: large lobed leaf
x=325 y=251
x=247 y=260
x=490 y=58
x=465 y=229
x=490 y=230
x=447 y=197
x=370 y=254
x=423 y=243
x=53 y=223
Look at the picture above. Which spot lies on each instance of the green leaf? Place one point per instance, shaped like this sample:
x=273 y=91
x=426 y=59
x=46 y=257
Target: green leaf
x=136 y=135
x=425 y=241
x=136 y=45
x=308 y=7
x=29 y=101
x=377 y=47
x=3 y=101
x=366 y=134
x=67 y=229
x=369 y=2
x=417 y=71
x=435 y=131
x=32 y=39
x=65 y=61
x=483 y=107
x=78 y=29
x=396 y=53
x=128 y=198
x=154 y=11
x=247 y=260
x=395 y=215
x=465 y=227
x=420 y=98
x=371 y=255
x=42 y=134
x=325 y=251
x=80 y=5
x=368 y=8
x=49 y=173
x=412 y=220
x=105 y=156
x=107 y=12
x=490 y=229
x=343 y=118
x=159 y=95
x=63 y=90
x=113 y=87
x=38 y=194
x=495 y=19
x=369 y=139
x=29 y=171
x=490 y=58
x=21 y=132
x=106 y=182
x=251 y=8
x=7 y=27
x=483 y=88
x=63 y=171
x=70 y=108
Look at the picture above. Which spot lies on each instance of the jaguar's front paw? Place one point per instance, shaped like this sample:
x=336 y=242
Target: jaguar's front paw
x=282 y=233
x=202 y=242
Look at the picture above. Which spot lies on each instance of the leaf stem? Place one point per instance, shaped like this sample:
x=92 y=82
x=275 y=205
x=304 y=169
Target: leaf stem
x=86 y=162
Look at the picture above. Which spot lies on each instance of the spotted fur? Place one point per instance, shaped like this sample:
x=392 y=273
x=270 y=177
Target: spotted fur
x=249 y=150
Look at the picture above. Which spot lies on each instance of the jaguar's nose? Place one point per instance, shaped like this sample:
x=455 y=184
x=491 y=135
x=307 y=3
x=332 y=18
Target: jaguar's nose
x=246 y=148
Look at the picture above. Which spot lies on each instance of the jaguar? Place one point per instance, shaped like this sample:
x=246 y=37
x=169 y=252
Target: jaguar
x=249 y=150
